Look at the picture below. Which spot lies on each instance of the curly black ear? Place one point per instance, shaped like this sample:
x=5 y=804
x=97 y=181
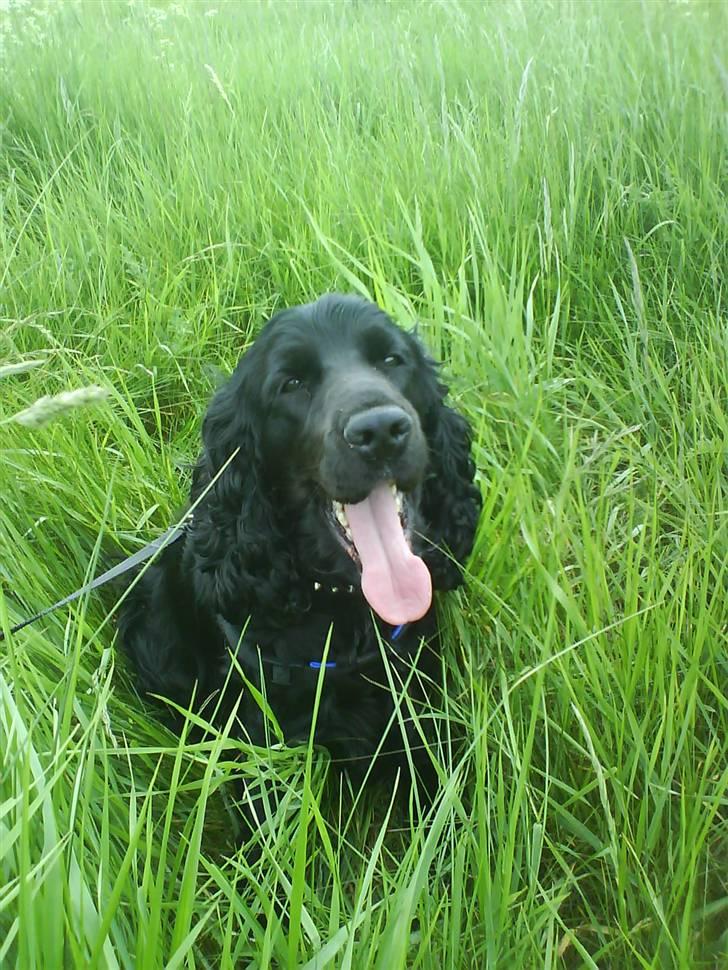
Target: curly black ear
x=451 y=500
x=237 y=550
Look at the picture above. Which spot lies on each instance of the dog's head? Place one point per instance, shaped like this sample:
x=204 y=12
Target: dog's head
x=350 y=470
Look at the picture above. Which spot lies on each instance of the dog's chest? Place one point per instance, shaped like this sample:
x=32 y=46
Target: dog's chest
x=335 y=666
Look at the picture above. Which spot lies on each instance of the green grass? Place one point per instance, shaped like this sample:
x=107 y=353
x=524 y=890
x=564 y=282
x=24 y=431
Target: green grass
x=543 y=187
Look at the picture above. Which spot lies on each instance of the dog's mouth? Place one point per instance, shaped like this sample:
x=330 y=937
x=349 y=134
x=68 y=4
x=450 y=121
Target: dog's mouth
x=344 y=529
x=395 y=582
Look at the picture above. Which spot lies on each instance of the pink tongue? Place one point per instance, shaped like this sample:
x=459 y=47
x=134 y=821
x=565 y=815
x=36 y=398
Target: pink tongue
x=395 y=582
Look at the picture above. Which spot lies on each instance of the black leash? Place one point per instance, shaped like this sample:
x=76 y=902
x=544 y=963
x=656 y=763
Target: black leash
x=171 y=535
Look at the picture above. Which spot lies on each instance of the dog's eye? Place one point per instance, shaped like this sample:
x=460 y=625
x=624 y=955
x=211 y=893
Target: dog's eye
x=291 y=384
x=393 y=360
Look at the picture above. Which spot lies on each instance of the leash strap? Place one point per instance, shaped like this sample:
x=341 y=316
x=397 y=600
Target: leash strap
x=171 y=535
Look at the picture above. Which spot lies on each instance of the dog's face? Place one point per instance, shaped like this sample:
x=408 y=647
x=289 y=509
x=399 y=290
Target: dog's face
x=340 y=418
x=343 y=446
x=340 y=400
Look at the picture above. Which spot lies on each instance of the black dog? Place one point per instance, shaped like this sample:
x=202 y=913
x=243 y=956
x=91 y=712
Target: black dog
x=349 y=498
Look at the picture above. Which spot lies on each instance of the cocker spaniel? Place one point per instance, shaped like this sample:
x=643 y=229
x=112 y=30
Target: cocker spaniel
x=346 y=496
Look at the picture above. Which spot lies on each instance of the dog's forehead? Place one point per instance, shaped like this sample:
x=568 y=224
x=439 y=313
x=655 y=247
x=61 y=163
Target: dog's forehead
x=324 y=336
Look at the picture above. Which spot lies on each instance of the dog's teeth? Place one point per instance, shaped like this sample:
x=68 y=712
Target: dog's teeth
x=334 y=589
x=349 y=589
x=317 y=586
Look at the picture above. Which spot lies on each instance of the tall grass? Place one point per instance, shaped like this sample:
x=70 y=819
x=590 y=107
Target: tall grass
x=542 y=187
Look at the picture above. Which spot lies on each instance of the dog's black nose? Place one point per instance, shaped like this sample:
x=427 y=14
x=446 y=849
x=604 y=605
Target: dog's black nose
x=380 y=433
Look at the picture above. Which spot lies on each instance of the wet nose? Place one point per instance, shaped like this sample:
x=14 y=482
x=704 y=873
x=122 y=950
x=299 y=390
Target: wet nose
x=378 y=434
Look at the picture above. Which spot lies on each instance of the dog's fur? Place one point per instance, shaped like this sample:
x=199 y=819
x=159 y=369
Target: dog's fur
x=262 y=573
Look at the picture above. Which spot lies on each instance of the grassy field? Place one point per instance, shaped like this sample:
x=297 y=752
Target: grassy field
x=543 y=187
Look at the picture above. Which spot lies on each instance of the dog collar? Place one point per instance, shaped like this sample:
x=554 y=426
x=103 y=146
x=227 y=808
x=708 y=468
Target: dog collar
x=318 y=587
